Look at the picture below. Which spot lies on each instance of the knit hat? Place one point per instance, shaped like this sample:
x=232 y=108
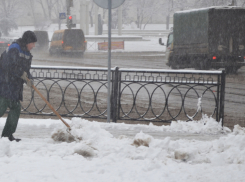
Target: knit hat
x=29 y=37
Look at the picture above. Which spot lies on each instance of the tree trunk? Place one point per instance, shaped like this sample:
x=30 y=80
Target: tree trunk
x=91 y=16
x=50 y=7
x=167 y=22
x=33 y=11
x=44 y=12
x=138 y=19
x=91 y=19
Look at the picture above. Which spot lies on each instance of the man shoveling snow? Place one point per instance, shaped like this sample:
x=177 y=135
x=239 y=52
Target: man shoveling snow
x=15 y=64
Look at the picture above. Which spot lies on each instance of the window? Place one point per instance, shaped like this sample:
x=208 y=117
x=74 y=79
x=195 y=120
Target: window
x=170 y=39
x=60 y=36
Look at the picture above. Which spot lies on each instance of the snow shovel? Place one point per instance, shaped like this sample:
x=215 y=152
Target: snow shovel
x=51 y=107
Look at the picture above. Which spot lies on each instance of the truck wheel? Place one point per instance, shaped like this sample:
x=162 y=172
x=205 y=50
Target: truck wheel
x=234 y=69
x=51 y=53
x=203 y=65
x=81 y=54
x=199 y=63
x=174 y=67
x=231 y=69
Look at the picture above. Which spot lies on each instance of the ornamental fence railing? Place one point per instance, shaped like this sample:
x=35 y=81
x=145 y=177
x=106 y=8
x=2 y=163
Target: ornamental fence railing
x=155 y=95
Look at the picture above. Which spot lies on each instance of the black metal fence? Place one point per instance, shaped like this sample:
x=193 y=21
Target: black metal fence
x=137 y=94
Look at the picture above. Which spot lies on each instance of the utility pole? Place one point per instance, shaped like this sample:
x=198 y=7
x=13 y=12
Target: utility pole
x=83 y=15
x=120 y=20
x=109 y=6
x=233 y=3
x=69 y=4
x=96 y=20
x=87 y=18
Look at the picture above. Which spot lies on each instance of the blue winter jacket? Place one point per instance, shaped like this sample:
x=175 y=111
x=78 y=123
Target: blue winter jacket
x=14 y=61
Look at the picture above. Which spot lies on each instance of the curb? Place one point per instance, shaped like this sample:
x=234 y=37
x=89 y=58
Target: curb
x=104 y=54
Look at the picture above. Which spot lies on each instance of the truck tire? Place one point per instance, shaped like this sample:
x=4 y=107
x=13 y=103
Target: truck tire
x=173 y=64
x=231 y=69
x=174 y=67
x=81 y=54
x=199 y=63
x=204 y=64
x=51 y=52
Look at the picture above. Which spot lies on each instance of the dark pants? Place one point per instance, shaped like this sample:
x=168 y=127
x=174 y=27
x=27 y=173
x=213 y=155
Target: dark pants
x=13 y=115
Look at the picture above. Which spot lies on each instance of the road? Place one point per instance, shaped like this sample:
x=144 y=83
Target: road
x=151 y=60
x=235 y=83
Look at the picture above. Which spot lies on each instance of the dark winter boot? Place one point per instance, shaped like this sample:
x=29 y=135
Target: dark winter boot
x=13 y=116
x=11 y=138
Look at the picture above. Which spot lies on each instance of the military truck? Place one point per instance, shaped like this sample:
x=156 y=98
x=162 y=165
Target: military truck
x=208 y=38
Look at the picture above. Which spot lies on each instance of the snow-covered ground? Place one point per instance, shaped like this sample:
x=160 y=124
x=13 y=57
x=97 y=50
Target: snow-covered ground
x=196 y=151
x=99 y=156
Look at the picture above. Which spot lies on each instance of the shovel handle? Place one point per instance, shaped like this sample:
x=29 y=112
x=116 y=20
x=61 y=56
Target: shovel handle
x=51 y=107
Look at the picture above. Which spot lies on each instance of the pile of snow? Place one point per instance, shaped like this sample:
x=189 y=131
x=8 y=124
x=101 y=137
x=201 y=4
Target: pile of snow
x=238 y=130
x=207 y=125
x=98 y=156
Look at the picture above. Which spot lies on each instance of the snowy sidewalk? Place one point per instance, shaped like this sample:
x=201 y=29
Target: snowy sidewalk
x=41 y=128
x=45 y=132
x=100 y=157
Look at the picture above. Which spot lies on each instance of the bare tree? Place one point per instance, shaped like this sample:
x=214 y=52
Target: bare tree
x=91 y=13
x=171 y=6
x=208 y=3
x=30 y=5
x=240 y=3
x=10 y=10
x=125 y=14
x=60 y=6
x=47 y=7
x=146 y=9
x=39 y=21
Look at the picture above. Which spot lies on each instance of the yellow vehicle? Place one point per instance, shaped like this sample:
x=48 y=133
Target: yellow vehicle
x=68 y=41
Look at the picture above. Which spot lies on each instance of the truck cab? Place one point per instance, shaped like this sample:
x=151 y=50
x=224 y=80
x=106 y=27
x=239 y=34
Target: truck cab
x=169 y=46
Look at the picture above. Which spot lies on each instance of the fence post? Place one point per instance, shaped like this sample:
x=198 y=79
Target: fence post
x=222 y=98
x=114 y=96
x=219 y=83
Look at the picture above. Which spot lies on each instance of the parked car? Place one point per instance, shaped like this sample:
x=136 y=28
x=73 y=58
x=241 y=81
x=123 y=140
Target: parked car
x=42 y=43
x=4 y=44
x=70 y=41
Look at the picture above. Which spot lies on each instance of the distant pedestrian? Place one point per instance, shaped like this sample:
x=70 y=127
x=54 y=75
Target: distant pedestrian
x=15 y=64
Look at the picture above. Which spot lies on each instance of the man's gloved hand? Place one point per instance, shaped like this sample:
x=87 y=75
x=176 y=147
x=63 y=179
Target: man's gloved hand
x=29 y=82
x=24 y=76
